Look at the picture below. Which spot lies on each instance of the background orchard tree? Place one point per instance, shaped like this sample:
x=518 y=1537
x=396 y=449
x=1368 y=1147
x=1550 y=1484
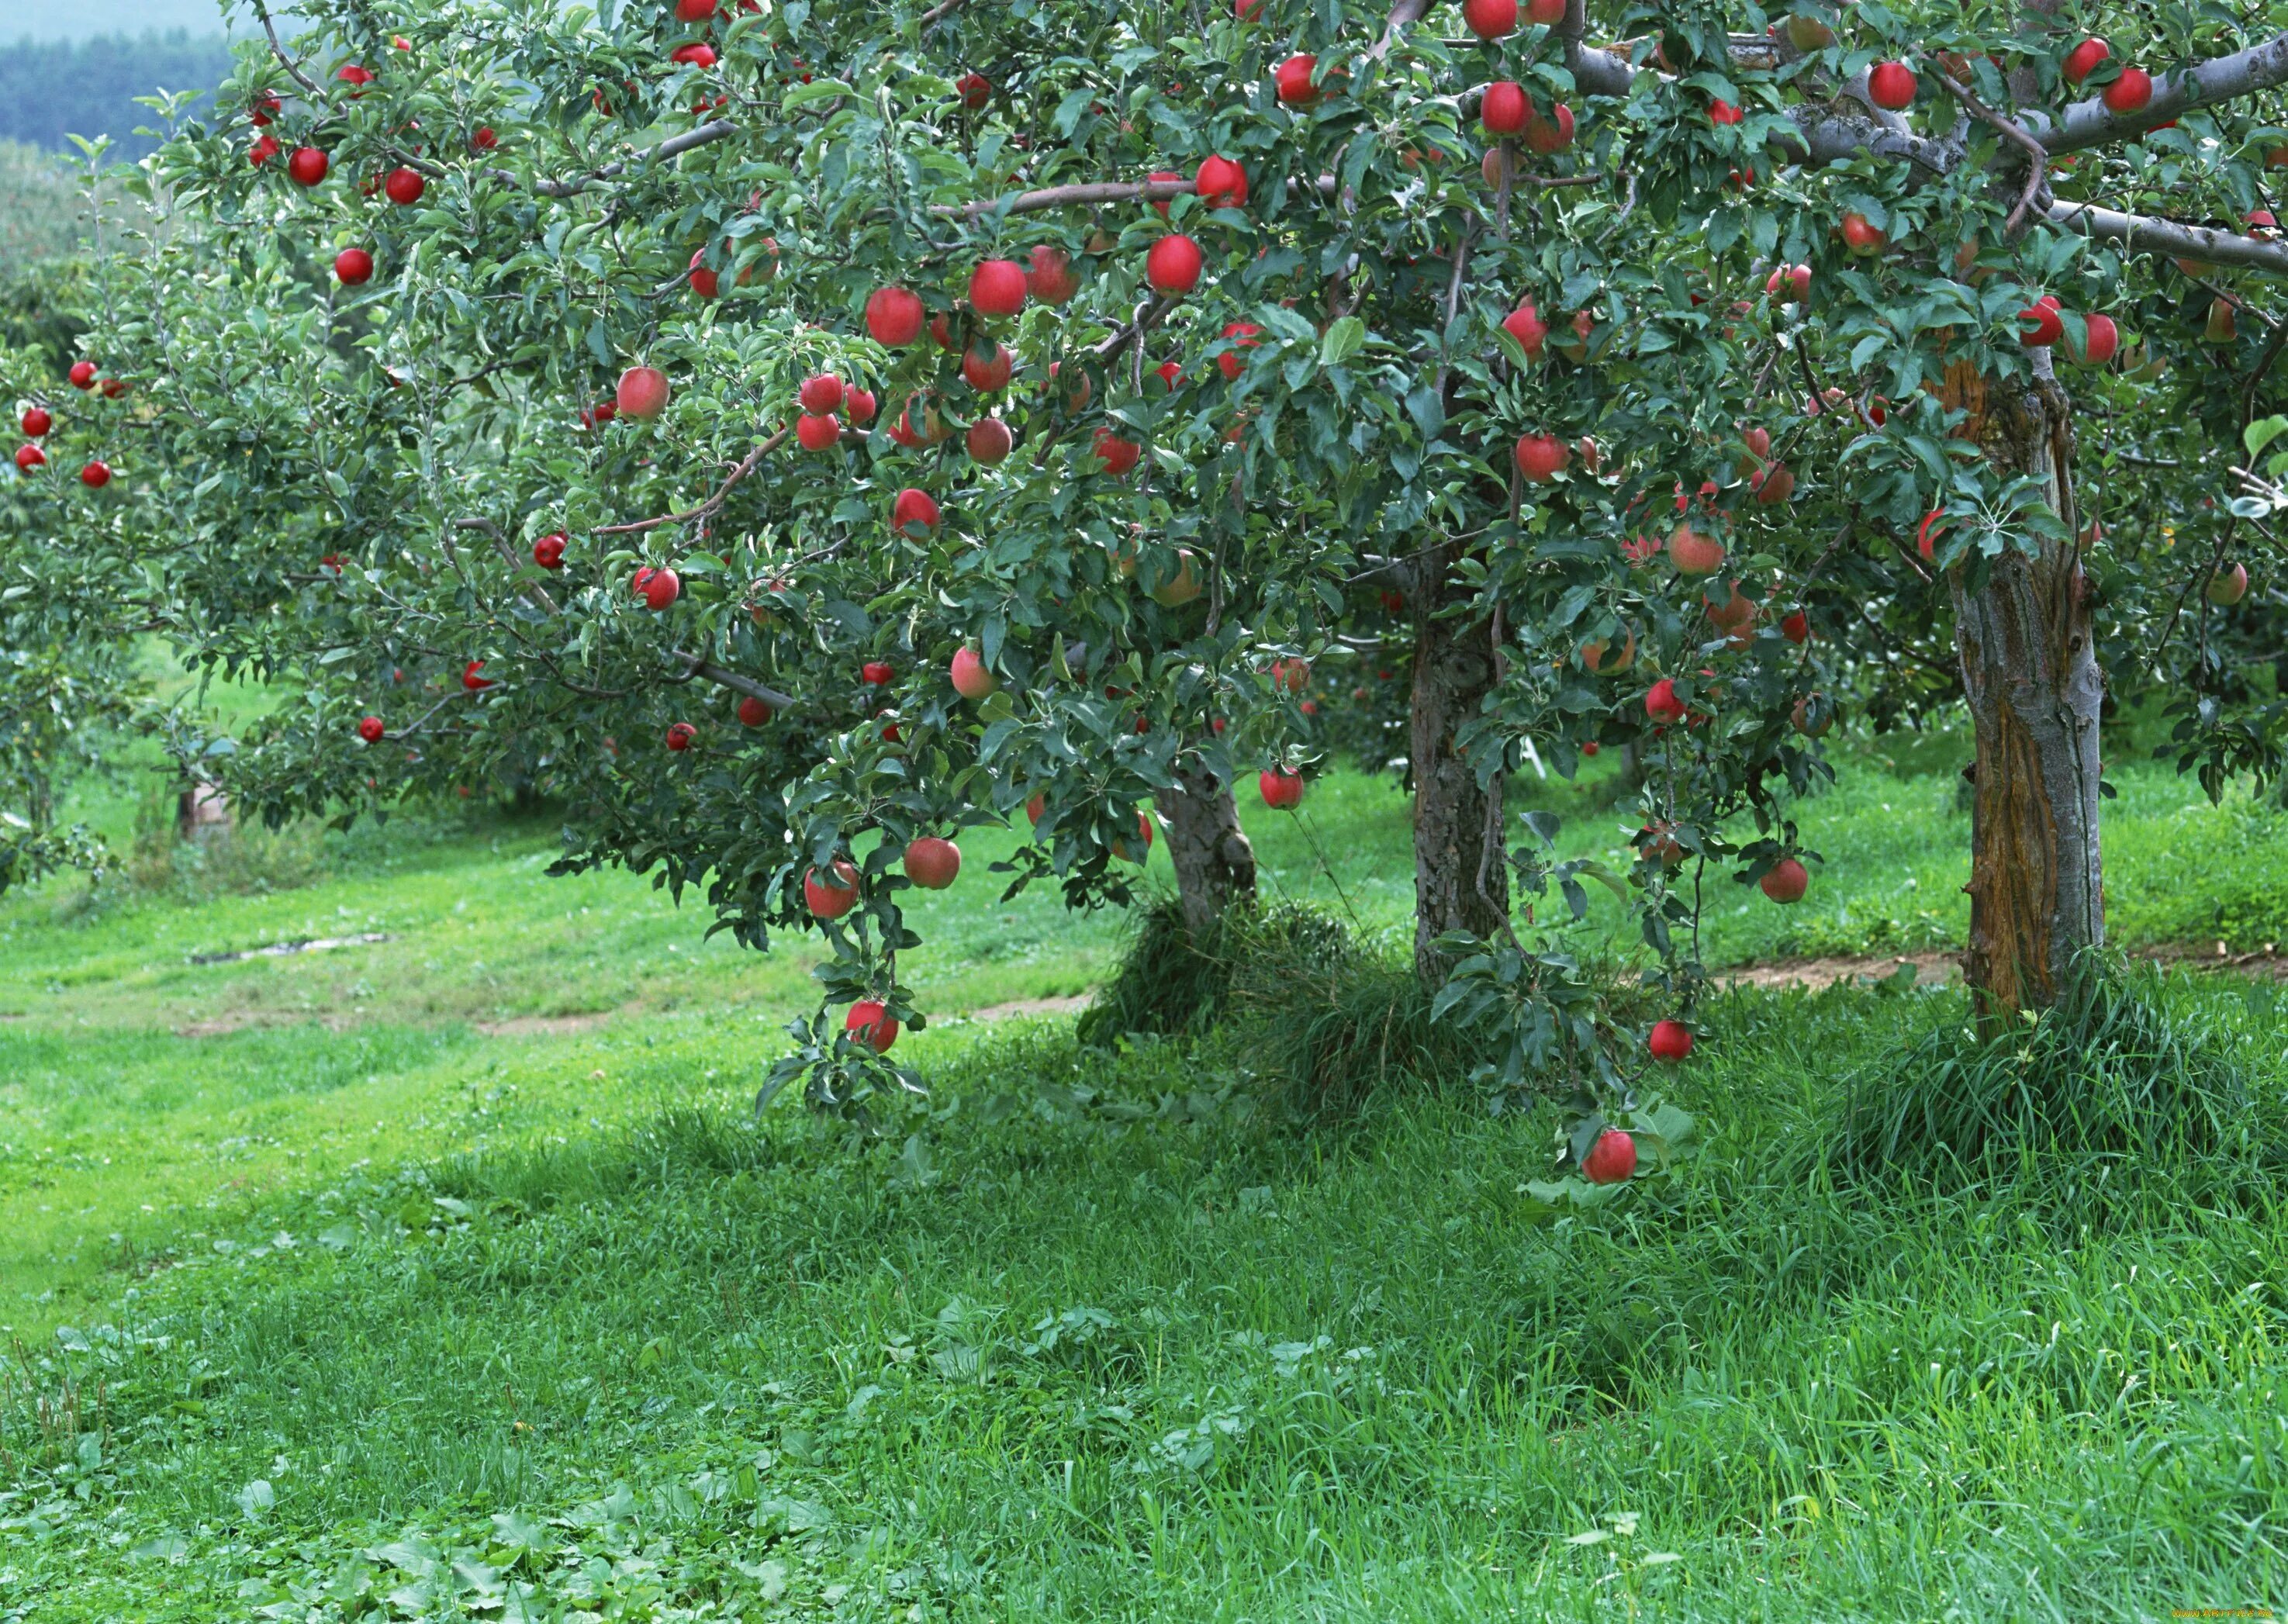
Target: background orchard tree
x=609 y=403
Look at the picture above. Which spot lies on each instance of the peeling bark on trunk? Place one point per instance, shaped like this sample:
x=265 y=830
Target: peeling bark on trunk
x=2029 y=668
x=1215 y=865
x=1461 y=877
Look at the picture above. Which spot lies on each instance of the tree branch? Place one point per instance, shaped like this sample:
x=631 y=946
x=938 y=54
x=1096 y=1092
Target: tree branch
x=292 y=68
x=2225 y=78
x=673 y=147
x=714 y=503
x=699 y=666
x=2179 y=240
x=2037 y=156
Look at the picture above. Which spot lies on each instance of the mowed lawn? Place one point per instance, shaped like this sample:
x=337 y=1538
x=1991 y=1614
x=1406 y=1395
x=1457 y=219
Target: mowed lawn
x=449 y=1276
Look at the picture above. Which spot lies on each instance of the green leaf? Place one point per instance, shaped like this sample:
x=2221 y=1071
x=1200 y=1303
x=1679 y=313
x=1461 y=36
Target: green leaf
x=1345 y=338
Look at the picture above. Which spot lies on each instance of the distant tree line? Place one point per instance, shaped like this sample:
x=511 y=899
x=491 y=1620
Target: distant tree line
x=51 y=90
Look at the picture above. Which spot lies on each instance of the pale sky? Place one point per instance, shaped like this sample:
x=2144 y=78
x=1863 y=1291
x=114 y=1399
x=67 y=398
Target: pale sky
x=48 y=20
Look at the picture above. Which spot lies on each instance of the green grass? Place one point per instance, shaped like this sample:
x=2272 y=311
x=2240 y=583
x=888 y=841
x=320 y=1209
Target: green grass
x=428 y=1269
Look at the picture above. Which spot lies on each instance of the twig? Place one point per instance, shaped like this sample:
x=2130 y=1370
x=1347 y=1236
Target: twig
x=2037 y=160
x=673 y=147
x=279 y=51
x=713 y=504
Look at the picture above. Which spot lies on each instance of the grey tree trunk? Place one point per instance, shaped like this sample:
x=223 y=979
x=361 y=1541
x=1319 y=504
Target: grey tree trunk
x=1461 y=877
x=1215 y=865
x=2029 y=668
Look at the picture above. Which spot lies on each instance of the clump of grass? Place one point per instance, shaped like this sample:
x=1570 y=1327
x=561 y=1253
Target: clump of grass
x=2115 y=1069
x=1174 y=982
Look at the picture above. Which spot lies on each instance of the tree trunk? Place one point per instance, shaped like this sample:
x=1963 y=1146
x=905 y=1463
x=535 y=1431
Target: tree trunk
x=1461 y=877
x=1215 y=865
x=2029 y=668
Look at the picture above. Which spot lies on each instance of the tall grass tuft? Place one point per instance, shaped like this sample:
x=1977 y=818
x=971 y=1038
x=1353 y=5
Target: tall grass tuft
x=2117 y=1069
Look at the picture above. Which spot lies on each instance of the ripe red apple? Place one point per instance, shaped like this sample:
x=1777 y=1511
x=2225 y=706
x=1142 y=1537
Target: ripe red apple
x=1172 y=266
x=1734 y=617
x=306 y=167
x=642 y=393
x=1811 y=719
x=753 y=712
x=262 y=149
x=354 y=73
x=877 y=673
x=915 y=514
x=1796 y=627
x=1862 y=236
x=1774 y=485
x=1282 y=790
x=36 y=420
x=484 y=138
x=404 y=186
x=932 y=862
x=1552 y=134
x=1600 y=658
x=859 y=405
x=1525 y=325
x=2038 y=325
x=1612 y=1160
x=1661 y=703
x=1539 y=456
x=2102 y=343
x=832 y=894
x=1052 y=279
x=972 y=679
x=353 y=267
x=975 y=90
x=371 y=729
x=1721 y=112
x=112 y=387
x=1292 y=674
x=1891 y=85
x=1590 y=748
x=1170 y=373
x=473 y=677
x=989 y=440
x=1118 y=456
x=705 y=282
x=96 y=475
x=821 y=394
x=987 y=366
x=548 y=551
x=1796 y=278
x=1163 y=176
x=997 y=288
x=2226 y=588
x=817 y=433
x=1670 y=1041
x=894 y=316
x=2082 y=58
x=2132 y=92
x=1490 y=19
x=1292 y=79
x=869 y=1022
x=698 y=54
x=1222 y=183
x=81 y=374
x=680 y=735
x=1245 y=336
x=29 y=457
x=1504 y=108
x=694 y=11
x=659 y=587
x=1692 y=552
x=1786 y=883
x=1141 y=848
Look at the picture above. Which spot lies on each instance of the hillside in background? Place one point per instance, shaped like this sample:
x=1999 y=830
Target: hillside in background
x=49 y=90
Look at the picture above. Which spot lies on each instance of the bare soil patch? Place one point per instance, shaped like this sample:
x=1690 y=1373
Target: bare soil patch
x=307 y=944
x=1031 y=1006
x=548 y=1025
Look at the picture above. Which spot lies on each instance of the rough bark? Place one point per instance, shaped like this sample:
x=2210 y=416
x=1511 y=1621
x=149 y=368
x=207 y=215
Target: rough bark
x=1215 y=865
x=2030 y=670
x=1461 y=878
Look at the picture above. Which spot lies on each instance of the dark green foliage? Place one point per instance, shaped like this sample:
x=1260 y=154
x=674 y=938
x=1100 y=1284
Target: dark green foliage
x=51 y=90
x=2117 y=1069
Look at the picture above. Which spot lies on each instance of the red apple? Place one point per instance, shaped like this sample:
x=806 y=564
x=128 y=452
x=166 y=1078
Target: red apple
x=997 y=288
x=694 y=11
x=353 y=267
x=1163 y=176
x=1670 y=1041
x=29 y=457
x=1545 y=14
x=698 y=54
x=371 y=729
x=1786 y=882
x=1052 y=279
x=680 y=735
x=1294 y=81
x=1774 y=485
x=1891 y=85
x=1282 y=790
x=818 y=433
x=1173 y=264
x=1721 y=112
x=2082 y=58
x=894 y=316
x=1504 y=109
x=1796 y=627
x=96 y=475
x=753 y=712
x=1692 y=552
x=1862 y=236
x=832 y=894
x=1291 y=674
x=2102 y=343
x=1539 y=456
x=1612 y=1160
x=987 y=367
x=642 y=393
x=404 y=186
x=821 y=394
x=972 y=679
x=1525 y=325
x=262 y=149
x=1137 y=851
x=1598 y=656
x=659 y=587
x=915 y=514
x=548 y=551
x=975 y=90
x=1661 y=703
x=1796 y=278
x=2038 y=325
x=878 y=673
x=1490 y=19
x=1552 y=134
x=112 y=387
x=869 y=1022
x=2226 y=588
x=82 y=375
x=473 y=677
x=1222 y=183
x=932 y=862
x=989 y=440
x=1118 y=456
x=484 y=138
x=2132 y=92
x=1245 y=336
x=36 y=420
x=306 y=167
x=1812 y=720
x=859 y=405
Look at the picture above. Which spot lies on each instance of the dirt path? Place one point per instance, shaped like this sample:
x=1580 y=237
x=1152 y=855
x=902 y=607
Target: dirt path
x=1936 y=968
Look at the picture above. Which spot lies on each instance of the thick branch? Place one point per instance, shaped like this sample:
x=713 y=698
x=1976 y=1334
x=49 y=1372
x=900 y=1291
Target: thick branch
x=2226 y=78
x=723 y=677
x=2170 y=237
